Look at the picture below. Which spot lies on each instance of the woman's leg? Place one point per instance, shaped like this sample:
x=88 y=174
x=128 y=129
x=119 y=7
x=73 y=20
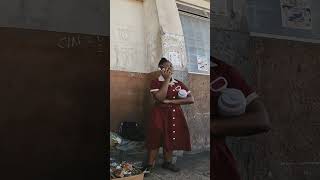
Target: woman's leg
x=168 y=161
x=167 y=155
x=152 y=155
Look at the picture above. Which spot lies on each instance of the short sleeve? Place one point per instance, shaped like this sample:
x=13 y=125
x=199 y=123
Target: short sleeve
x=154 y=86
x=183 y=86
x=236 y=81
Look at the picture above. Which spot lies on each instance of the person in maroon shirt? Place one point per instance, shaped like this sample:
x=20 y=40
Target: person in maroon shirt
x=254 y=121
x=167 y=126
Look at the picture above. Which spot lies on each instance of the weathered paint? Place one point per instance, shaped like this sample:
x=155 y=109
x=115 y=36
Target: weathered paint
x=169 y=19
x=143 y=32
x=152 y=34
x=127 y=37
x=198 y=114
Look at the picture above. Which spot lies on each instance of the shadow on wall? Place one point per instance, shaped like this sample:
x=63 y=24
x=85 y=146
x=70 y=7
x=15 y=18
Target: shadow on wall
x=53 y=104
x=130 y=97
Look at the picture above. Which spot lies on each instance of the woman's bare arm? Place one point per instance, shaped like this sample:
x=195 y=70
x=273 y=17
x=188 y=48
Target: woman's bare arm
x=254 y=121
x=188 y=100
x=162 y=93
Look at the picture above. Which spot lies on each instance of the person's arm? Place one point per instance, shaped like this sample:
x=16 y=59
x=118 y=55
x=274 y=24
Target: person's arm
x=162 y=93
x=188 y=100
x=254 y=121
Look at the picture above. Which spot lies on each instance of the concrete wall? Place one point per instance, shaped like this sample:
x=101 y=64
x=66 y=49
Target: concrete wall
x=129 y=98
x=53 y=105
x=152 y=34
x=53 y=88
x=75 y=16
x=198 y=114
x=172 y=33
x=144 y=31
x=169 y=19
x=286 y=76
x=127 y=36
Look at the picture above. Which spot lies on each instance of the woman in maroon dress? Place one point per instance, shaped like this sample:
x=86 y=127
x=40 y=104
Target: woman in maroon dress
x=167 y=127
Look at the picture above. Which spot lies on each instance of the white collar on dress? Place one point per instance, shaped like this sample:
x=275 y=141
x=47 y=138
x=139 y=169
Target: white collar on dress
x=173 y=81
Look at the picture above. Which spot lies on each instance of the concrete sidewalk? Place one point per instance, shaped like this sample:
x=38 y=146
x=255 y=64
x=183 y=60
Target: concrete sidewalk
x=193 y=167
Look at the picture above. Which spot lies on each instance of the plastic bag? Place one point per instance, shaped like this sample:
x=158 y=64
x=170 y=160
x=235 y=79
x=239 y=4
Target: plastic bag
x=115 y=139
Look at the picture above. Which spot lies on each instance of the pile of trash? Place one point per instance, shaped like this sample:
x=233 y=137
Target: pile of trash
x=115 y=139
x=121 y=149
x=124 y=169
x=119 y=143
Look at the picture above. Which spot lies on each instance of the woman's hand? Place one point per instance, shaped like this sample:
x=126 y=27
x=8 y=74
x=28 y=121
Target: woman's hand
x=166 y=101
x=166 y=73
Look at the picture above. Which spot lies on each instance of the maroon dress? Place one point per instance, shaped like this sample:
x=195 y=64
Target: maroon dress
x=223 y=163
x=167 y=126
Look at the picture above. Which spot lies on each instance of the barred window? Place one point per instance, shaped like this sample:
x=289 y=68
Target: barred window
x=196 y=32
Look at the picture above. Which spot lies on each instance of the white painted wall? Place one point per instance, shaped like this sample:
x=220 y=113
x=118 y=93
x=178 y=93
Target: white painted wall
x=169 y=17
x=144 y=31
x=172 y=33
x=152 y=34
x=127 y=36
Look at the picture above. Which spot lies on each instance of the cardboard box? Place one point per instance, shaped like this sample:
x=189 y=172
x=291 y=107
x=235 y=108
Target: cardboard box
x=136 y=177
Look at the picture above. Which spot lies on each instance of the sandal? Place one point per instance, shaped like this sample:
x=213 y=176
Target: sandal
x=170 y=166
x=147 y=170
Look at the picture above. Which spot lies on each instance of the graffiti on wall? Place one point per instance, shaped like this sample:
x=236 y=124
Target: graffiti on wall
x=153 y=49
x=127 y=50
x=78 y=41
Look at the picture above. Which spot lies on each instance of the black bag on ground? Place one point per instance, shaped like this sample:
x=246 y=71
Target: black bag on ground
x=131 y=131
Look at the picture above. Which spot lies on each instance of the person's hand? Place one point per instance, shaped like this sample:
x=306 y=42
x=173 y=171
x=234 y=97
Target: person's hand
x=166 y=101
x=166 y=73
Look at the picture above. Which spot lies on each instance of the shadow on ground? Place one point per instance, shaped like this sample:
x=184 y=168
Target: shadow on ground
x=193 y=167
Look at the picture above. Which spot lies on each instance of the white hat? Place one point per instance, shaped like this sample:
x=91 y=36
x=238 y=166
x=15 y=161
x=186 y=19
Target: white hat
x=231 y=102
